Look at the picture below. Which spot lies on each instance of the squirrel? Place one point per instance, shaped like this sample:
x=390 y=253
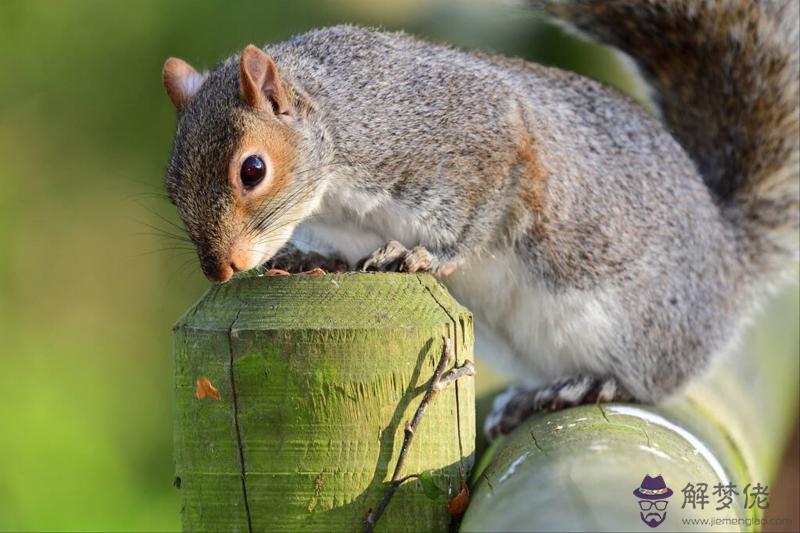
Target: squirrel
x=606 y=254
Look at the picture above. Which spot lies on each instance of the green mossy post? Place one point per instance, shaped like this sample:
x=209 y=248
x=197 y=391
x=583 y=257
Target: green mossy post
x=317 y=377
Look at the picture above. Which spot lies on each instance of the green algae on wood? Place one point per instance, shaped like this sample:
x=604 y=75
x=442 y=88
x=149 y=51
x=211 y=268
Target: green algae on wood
x=317 y=376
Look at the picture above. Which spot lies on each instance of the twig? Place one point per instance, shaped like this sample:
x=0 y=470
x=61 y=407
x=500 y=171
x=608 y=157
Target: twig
x=439 y=381
x=467 y=369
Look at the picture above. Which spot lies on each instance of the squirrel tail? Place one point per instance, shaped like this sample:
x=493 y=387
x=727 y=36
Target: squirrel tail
x=725 y=77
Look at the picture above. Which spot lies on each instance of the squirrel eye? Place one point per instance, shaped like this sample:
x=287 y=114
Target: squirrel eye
x=253 y=171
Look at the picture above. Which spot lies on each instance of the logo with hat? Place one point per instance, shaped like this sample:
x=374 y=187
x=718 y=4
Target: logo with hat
x=652 y=496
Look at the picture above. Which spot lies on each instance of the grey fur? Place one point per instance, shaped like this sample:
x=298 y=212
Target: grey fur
x=487 y=156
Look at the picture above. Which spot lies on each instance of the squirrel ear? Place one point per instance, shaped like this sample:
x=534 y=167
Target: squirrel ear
x=181 y=81
x=260 y=84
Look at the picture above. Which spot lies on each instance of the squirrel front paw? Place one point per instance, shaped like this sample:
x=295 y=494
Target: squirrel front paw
x=515 y=405
x=295 y=261
x=394 y=257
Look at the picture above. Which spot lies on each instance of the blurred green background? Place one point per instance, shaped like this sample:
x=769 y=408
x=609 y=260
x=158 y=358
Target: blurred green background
x=88 y=291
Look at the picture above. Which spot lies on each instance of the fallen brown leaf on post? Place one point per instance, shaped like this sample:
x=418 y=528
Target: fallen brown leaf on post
x=457 y=506
x=205 y=388
x=313 y=272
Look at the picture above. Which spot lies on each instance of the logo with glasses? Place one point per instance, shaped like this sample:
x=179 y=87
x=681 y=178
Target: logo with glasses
x=652 y=496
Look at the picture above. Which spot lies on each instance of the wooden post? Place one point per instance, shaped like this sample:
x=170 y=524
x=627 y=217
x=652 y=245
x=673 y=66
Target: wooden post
x=316 y=377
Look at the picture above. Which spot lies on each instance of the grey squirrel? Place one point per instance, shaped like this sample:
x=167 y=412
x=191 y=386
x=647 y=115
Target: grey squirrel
x=606 y=255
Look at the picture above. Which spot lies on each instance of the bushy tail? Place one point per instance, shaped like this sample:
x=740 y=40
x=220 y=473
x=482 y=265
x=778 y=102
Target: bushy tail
x=725 y=75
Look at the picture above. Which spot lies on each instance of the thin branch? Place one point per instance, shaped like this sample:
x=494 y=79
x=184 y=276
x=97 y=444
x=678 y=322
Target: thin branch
x=439 y=381
x=467 y=369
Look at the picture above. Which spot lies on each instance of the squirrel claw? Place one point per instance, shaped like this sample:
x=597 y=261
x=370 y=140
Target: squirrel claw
x=294 y=261
x=385 y=259
x=394 y=257
x=418 y=259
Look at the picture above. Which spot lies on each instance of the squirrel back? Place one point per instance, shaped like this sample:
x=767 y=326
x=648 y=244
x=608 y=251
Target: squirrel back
x=725 y=76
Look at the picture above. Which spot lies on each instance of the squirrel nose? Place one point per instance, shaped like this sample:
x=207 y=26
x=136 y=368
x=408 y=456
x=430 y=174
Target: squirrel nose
x=234 y=268
x=224 y=268
x=224 y=272
x=239 y=261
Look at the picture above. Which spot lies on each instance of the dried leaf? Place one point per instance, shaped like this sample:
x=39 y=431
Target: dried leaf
x=205 y=388
x=313 y=272
x=276 y=272
x=457 y=506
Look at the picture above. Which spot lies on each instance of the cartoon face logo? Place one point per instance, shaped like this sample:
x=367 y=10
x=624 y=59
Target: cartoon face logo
x=652 y=496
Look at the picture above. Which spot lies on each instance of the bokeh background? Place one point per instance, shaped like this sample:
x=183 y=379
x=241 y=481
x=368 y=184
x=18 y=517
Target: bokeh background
x=89 y=283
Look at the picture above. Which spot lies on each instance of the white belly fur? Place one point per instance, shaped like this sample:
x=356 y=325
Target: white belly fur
x=530 y=332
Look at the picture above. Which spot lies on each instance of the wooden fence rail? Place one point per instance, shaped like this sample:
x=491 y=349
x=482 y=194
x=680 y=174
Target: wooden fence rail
x=576 y=470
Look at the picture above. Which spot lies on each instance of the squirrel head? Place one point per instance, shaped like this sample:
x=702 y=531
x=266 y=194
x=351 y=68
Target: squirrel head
x=232 y=173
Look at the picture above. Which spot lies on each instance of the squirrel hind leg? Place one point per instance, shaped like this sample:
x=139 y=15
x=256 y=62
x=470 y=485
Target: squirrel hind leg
x=512 y=407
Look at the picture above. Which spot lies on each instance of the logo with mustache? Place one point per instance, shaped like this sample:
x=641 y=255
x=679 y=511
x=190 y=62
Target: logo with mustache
x=652 y=496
